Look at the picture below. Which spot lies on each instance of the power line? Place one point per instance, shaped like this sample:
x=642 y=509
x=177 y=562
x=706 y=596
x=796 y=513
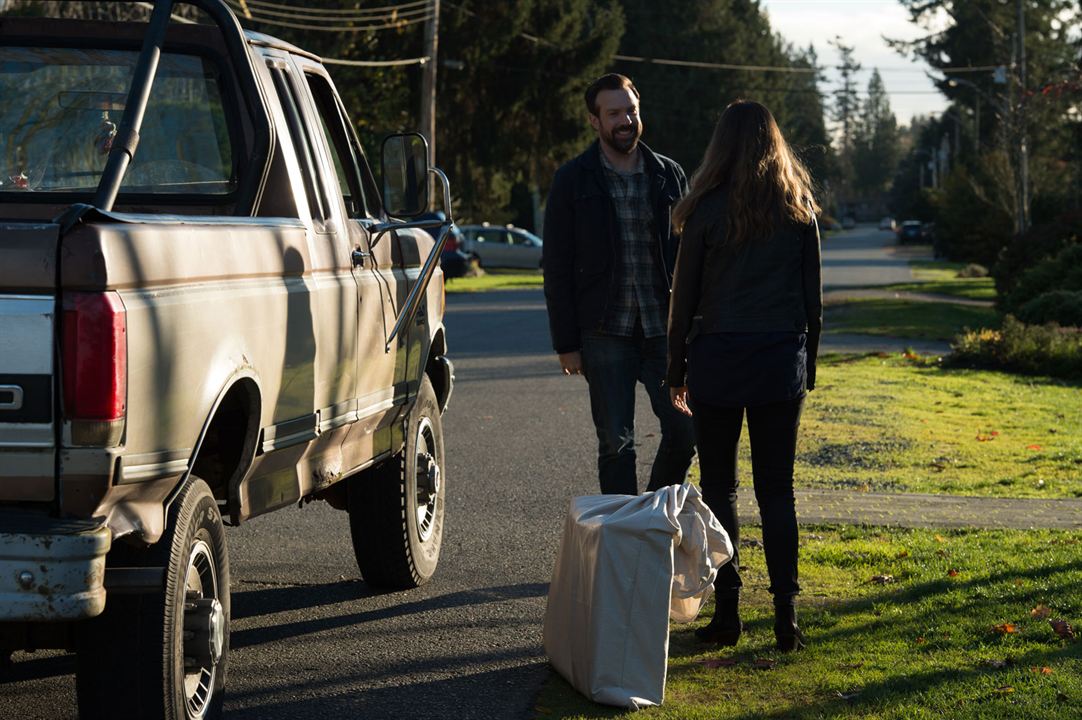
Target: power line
x=304 y=14
x=713 y=66
x=384 y=10
x=339 y=28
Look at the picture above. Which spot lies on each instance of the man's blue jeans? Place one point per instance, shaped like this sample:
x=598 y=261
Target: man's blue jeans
x=613 y=365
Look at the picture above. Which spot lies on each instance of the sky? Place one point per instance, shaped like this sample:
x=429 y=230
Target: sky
x=862 y=25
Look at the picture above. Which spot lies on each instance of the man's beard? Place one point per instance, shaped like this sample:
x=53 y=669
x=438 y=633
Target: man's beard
x=625 y=143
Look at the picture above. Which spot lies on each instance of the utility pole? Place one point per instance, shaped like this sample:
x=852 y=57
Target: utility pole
x=428 y=87
x=1023 y=151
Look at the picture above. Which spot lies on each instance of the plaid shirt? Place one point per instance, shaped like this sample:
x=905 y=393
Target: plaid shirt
x=642 y=295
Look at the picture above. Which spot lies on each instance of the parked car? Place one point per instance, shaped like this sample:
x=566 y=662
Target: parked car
x=910 y=231
x=236 y=321
x=502 y=246
x=887 y=223
x=848 y=223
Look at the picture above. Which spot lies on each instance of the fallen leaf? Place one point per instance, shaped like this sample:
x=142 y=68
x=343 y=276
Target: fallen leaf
x=1042 y=670
x=1063 y=629
x=996 y=664
x=882 y=579
x=1018 y=582
x=920 y=640
x=714 y=663
x=952 y=573
x=1004 y=629
x=1041 y=612
x=849 y=695
x=903 y=554
x=1005 y=690
x=940 y=539
x=941 y=553
x=994 y=433
x=1033 y=447
x=764 y=663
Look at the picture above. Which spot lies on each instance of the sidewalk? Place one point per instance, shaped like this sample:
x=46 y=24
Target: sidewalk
x=917 y=510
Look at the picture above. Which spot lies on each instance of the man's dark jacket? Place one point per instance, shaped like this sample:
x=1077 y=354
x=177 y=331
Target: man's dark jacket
x=581 y=254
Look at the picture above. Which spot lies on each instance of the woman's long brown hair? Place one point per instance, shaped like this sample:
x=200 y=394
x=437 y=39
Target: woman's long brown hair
x=749 y=156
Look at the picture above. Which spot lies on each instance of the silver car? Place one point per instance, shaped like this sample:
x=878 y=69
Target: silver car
x=499 y=246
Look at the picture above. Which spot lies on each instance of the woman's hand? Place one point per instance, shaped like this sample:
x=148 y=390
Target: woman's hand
x=679 y=397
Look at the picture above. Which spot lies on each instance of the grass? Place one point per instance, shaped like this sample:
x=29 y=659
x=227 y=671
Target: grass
x=892 y=424
x=901 y=318
x=496 y=279
x=922 y=646
x=941 y=278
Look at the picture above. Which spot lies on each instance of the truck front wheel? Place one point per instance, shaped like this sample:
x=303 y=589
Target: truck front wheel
x=163 y=655
x=396 y=508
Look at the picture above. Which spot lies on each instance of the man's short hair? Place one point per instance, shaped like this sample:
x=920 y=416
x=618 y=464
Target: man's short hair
x=612 y=81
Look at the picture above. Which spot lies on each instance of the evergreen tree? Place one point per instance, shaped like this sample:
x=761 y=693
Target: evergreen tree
x=875 y=143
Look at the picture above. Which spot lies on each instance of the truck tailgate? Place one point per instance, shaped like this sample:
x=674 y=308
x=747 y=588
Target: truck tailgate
x=27 y=331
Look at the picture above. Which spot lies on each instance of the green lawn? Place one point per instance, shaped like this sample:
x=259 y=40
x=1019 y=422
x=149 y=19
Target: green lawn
x=941 y=278
x=891 y=424
x=496 y=279
x=962 y=630
x=906 y=319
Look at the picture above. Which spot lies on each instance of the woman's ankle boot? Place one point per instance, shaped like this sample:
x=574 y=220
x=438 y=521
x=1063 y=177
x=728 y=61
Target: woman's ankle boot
x=786 y=632
x=725 y=627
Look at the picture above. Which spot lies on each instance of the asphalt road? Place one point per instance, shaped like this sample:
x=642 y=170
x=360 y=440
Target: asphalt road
x=310 y=640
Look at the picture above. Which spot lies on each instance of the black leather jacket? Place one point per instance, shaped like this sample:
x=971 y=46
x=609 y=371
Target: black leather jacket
x=773 y=284
x=581 y=235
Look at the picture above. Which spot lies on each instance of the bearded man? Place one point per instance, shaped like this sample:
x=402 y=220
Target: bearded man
x=609 y=255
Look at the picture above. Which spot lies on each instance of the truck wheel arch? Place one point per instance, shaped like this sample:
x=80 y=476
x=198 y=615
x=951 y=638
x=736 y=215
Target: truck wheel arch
x=227 y=443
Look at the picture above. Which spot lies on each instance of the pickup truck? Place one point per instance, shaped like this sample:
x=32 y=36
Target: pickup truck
x=208 y=310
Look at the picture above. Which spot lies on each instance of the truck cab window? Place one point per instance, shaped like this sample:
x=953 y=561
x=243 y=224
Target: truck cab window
x=354 y=176
x=317 y=205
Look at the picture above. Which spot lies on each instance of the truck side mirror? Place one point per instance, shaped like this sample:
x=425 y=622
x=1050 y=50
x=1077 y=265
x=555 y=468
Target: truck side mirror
x=404 y=163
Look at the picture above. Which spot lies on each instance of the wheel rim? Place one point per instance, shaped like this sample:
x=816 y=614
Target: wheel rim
x=204 y=629
x=429 y=480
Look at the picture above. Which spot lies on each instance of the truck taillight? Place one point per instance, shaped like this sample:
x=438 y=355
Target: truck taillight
x=94 y=351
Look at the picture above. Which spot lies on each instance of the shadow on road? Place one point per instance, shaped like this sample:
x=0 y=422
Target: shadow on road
x=487 y=694
x=262 y=602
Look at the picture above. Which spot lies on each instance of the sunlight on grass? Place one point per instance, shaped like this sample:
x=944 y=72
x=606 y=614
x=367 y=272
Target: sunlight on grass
x=496 y=279
x=925 y=645
x=903 y=319
x=890 y=424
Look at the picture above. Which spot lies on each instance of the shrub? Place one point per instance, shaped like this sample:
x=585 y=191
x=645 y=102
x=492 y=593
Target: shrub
x=1016 y=347
x=1040 y=242
x=972 y=224
x=1062 y=271
x=973 y=270
x=1063 y=307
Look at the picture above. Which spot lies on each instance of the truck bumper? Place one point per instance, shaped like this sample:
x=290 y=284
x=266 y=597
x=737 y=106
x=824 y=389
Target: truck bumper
x=51 y=569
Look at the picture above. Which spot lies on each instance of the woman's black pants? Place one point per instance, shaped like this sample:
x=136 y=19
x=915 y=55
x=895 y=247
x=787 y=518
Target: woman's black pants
x=772 y=430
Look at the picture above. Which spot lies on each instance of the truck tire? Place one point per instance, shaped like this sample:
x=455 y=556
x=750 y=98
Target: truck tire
x=396 y=508
x=163 y=655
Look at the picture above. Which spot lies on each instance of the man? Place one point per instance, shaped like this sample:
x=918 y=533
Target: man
x=609 y=258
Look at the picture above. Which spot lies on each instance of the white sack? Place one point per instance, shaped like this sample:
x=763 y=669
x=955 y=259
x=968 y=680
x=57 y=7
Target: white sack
x=627 y=562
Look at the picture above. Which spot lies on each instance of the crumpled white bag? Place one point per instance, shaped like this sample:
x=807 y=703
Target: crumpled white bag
x=627 y=563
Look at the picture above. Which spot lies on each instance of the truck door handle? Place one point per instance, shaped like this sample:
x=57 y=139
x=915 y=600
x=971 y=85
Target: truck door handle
x=358 y=256
x=11 y=397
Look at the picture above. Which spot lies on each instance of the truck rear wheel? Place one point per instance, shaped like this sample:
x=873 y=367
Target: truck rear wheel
x=396 y=508
x=163 y=655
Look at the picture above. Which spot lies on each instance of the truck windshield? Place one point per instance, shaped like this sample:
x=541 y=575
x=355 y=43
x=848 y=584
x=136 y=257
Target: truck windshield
x=62 y=107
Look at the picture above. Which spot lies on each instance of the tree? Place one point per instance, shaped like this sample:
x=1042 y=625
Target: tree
x=875 y=142
x=982 y=34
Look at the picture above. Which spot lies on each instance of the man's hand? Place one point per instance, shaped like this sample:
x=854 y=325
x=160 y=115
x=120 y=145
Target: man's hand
x=571 y=363
x=679 y=396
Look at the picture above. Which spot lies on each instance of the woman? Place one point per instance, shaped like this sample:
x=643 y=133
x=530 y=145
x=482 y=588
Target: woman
x=744 y=325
